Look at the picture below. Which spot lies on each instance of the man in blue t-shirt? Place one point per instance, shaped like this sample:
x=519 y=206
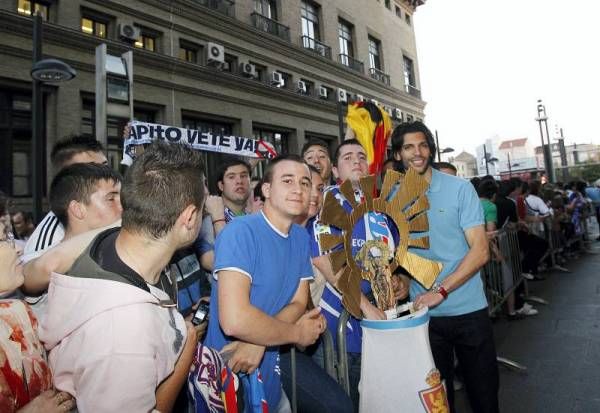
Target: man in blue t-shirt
x=262 y=270
x=457 y=305
x=350 y=162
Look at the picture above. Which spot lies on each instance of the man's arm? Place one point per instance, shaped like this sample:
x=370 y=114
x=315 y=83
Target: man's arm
x=240 y=319
x=246 y=357
x=477 y=256
x=168 y=390
x=57 y=259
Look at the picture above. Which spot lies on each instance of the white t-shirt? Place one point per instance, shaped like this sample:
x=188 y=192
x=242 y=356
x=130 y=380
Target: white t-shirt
x=47 y=234
x=536 y=206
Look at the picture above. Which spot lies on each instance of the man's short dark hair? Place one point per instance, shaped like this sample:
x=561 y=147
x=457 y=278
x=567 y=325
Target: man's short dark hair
x=445 y=165
x=534 y=187
x=227 y=163
x=67 y=148
x=340 y=146
x=258 y=193
x=163 y=181
x=506 y=187
x=487 y=188
x=268 y=176
x=412 y=127
x=315 y=142
x=77 y=182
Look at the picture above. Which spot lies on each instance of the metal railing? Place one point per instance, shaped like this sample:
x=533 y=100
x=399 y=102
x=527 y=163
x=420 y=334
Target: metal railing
x=316 y=46
x=379 y=75
x=413 y=91
x=351 y=62
x=270 y=26
x=226 y=7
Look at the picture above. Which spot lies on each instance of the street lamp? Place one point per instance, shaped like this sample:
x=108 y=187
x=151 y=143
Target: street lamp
x=543 y=118
x=441 y=151
x=510 y=165
x=46 y=70
x=488 y=159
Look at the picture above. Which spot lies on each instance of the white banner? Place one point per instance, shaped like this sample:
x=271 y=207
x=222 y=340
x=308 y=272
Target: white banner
x=141 y=133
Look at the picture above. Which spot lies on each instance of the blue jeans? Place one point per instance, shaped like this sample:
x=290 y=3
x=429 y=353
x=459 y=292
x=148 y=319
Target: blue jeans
x=315 y=391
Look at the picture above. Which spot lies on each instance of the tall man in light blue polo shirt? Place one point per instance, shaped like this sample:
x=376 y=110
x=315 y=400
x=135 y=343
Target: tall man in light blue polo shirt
x=459 y=320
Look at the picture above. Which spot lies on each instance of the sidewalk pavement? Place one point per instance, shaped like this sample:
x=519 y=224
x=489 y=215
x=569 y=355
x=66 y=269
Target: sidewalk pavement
x=560 y=346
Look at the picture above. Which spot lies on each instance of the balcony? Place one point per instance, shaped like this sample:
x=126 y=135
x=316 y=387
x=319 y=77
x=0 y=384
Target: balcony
x=226 y=7
x=316 y=46
x=413 y=91
x=380 y=76
x=352 y=63
x=270 y=26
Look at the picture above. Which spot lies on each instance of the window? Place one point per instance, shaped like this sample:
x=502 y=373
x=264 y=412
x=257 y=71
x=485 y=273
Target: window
x=407 y=18
x=93 y=27
x=261 y=71
x=27 y=6
x=398 y=12
x=345 y=40
x=266 y=8
x=388 y=4
x=374 y=53
x=146 y=41
x=189 y=52
x=310 y=87
x=409 y=72
x=278 y=138
x=310 y=20
x=230 y=63
x=287 y=80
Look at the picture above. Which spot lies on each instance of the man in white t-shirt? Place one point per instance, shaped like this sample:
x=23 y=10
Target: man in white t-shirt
x=50 y=231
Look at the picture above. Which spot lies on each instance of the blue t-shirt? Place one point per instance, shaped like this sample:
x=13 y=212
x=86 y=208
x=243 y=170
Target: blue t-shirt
x=373 y=226
x=454 y=208
x=275 y=263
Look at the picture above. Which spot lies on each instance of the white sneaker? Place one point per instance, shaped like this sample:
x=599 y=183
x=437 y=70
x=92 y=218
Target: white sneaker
x=527 y=276
x=528 y=311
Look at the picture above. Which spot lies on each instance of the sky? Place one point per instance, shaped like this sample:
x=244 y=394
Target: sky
x=483 y=64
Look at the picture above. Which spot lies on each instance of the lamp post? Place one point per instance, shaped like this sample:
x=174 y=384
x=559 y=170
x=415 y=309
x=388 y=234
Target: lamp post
x=488 y=159
x=510 y=165
x=42 y=70
x=543 y=118
x=440 y=151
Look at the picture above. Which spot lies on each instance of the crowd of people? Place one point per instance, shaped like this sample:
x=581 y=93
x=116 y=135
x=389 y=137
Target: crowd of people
x=144 y=292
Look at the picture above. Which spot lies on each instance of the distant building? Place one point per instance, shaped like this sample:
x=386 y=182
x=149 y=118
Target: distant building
x=466 y=164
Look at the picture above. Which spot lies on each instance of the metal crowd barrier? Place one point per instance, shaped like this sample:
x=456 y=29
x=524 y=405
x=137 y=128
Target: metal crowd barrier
x=501 y=276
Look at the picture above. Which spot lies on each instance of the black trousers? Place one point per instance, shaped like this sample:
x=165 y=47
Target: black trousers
x=533 y=248
x=470 y=336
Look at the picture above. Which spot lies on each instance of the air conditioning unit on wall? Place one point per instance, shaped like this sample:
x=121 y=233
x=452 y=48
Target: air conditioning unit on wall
x=276 y=79
x=398 y=114
x=323 y=92
x=248 y=69
x=215 y=54
x=301 y=87
x=128 y=31
x=342 y=95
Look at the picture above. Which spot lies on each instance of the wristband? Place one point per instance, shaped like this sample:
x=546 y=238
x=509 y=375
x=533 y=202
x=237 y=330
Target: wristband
x=437 y=288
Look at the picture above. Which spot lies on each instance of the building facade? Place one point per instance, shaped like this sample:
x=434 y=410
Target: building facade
x=466 y=165
x=270 y=69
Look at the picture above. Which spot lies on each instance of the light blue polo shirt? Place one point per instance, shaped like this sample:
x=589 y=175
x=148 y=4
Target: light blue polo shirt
x=454 y=208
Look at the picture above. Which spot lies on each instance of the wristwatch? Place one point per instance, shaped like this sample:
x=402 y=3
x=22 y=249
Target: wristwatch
x=437 y=288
